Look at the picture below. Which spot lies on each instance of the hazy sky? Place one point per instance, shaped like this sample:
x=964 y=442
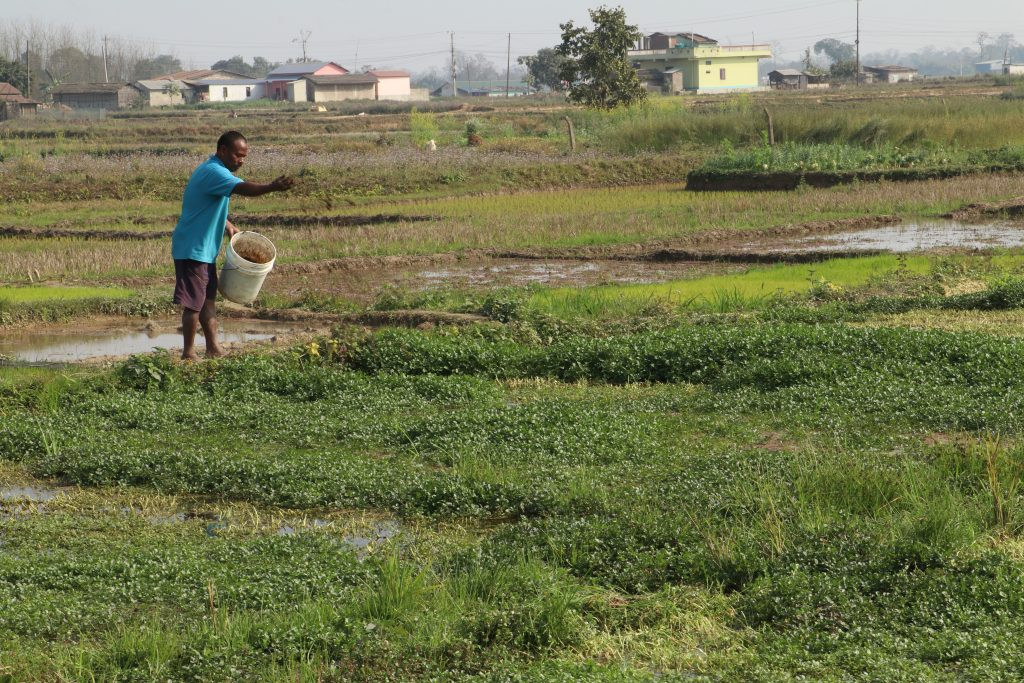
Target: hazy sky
x=414 y=35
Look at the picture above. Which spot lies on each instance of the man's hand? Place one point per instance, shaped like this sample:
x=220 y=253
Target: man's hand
x=283 y=183
x=230 y=230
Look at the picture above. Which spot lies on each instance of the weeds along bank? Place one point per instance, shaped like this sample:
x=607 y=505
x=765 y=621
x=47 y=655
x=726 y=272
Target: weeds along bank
x=516 y=145
x=548 y=222
x=725 y=501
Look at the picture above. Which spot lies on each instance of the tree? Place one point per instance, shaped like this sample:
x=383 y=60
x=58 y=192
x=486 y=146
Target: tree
x=835 y=50
x=596 y=68
x=544 y=69
x=156 y=66
x=476 y=68
x=259 y=68
x=845 y=70
x=15 y=74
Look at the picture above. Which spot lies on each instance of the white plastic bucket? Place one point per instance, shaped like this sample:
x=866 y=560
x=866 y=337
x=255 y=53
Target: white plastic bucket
x=240 y=280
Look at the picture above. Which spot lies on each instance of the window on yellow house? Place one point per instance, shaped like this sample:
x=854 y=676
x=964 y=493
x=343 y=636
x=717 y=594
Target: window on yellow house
x=721 y=74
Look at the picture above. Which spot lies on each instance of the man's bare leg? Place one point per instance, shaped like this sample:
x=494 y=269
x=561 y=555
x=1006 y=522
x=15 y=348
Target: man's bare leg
x=208 y=319
x=189 y=325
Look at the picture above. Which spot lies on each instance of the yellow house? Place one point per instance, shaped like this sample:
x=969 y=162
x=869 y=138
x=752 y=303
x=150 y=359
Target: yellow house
x=677 y=62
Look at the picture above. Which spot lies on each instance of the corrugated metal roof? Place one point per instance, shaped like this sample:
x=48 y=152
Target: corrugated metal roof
x=196 y=74
x=301 y=69
x=390 y=74
x=83 y=88
x=228 y=81
x=8 y=89
x=343 y=79
x=787 y=72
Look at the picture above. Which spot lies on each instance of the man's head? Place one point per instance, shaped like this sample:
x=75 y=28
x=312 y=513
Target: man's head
x=232 y=149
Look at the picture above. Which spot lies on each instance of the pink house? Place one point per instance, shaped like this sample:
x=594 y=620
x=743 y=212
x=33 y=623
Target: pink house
x=279 y=78
x=392 y=85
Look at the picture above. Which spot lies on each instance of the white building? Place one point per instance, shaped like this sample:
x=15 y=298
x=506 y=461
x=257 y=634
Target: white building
x=229 y=90
x=165 y=93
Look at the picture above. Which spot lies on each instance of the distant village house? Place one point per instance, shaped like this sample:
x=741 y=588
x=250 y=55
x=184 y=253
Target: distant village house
x=108 y=96
x=672 y=63
x=13 y=104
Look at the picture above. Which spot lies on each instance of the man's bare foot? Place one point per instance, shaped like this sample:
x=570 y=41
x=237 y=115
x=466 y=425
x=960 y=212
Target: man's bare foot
x=216 y=352
x=189 y=357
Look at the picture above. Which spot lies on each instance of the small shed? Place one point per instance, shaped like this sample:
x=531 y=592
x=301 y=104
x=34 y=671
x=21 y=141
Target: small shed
x=892 y=73
x=95 y=95
x=13 y=104
x=338 y=88
x=788 y=79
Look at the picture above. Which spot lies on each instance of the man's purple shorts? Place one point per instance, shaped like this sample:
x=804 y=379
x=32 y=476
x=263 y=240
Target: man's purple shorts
x=195 y=282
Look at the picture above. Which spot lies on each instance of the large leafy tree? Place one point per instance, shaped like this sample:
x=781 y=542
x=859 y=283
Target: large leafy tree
x=544 y=69
x=156 y=66
x=597 y=67
x=835 y=50
x=15 y=74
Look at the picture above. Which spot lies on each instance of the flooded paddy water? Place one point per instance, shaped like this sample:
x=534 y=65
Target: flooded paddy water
x=583 y=267
x=916 y=236
x=73 y=343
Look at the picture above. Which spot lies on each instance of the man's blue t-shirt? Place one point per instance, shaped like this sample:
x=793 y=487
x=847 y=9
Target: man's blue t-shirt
x=204 y=212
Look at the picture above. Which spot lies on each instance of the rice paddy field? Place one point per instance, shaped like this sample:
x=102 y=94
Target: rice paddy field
x=555 y=417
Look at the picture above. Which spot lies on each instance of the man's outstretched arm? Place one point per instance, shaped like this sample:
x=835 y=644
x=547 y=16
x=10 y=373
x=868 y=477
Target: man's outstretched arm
x=281 y=184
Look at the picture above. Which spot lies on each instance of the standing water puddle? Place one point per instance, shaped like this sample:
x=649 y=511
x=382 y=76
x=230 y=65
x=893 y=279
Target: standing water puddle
x=76 y=344
x=28 y=494
x=557 y=272
x=920 y=236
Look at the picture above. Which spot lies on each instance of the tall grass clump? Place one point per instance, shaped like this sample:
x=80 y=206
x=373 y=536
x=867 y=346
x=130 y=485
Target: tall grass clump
x=424 y=127
x=802 y=157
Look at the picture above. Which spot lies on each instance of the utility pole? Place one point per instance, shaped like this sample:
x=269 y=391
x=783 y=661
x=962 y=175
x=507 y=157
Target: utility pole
x=28 y=72
x=303 y=38
x=455 y=88
x=857 y=74
x=355 y=64
x=106 y=77
x=508 y=66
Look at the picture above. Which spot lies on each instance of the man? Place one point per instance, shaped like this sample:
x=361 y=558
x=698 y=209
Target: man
x=199 y=233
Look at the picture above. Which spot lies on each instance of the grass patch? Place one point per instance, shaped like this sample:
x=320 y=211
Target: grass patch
x=751 y=290
x=15 y=296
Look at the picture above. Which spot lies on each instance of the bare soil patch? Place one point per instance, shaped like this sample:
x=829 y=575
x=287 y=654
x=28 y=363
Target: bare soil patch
x=1011 y=208
x=283 y=222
